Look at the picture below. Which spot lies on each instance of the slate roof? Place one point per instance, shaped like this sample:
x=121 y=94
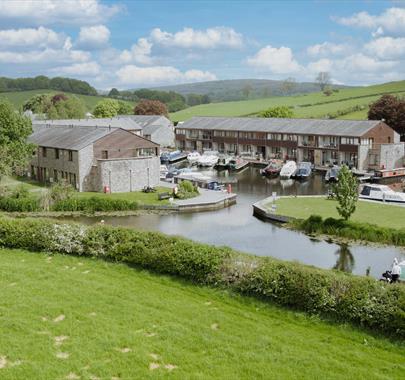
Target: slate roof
x=146 y=120
x=63 y=137
x=115 y=122
x=350 y=128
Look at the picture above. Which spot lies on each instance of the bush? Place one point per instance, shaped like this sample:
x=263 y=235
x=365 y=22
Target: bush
x=9 y=204
x=186 y=190
x=344 y=297
x=351 y=230
x=93 y=204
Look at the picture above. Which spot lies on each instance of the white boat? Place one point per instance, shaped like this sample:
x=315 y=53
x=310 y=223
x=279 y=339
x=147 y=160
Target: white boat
x=193 y=157
x=208 y=159
x=332 y=174
x=223 y=161
x=163 y=171
x=289 y=168
x=381 y=193
x=304 y=171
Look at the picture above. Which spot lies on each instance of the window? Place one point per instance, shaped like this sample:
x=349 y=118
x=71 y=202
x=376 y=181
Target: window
x=389 y=139
x=70 y=155
x=57 y=154
x=43 y=152
x=350 y=140
x=104 y=154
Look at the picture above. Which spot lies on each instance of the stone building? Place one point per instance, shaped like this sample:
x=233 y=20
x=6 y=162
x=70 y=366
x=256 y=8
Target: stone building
x=156 y=128
x=93 y=158
x=360 y=143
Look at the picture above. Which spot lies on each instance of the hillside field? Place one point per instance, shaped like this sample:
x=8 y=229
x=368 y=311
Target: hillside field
x=64 y=317
x=17 y=98
x=314 y=105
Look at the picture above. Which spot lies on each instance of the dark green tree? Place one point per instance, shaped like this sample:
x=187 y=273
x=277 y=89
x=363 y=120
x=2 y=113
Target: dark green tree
x=279 y=111
x=346 y=191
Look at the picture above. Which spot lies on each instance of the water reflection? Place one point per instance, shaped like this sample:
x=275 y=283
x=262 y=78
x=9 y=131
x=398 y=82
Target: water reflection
x=345 y=261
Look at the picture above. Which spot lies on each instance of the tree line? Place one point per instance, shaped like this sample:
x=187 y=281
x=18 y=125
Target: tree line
x=173 y=100
x=42 y=82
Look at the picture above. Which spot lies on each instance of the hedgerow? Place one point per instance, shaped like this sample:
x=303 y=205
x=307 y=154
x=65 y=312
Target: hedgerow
x=93 y=204
x=359 y=300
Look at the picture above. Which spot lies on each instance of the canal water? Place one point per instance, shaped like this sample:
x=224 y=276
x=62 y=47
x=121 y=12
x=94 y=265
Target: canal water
x=238 y=228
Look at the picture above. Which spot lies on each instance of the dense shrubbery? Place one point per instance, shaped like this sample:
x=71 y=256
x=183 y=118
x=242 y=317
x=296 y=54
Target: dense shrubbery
x=351 y=230
x=93 y=204
x=186 y=190
x=347 y=298
x=19 y=204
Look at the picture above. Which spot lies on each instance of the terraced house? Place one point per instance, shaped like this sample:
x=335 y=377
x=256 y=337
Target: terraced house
x=364 y=144
x=94 y=158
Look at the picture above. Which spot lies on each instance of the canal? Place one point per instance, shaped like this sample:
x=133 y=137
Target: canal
x=238 y=228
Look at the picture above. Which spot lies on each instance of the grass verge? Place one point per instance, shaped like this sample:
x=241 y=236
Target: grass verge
x=65 y=317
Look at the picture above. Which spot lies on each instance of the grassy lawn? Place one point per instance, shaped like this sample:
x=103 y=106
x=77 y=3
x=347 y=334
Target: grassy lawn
x=36 y=188
x=139 y=196
x=75 y=318
x=341 y=100
x=367 y=212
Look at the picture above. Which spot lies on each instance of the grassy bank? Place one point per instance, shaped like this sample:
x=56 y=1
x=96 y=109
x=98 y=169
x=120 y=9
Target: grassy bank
x=66 y=317
x=382 y=215
x=314 y=105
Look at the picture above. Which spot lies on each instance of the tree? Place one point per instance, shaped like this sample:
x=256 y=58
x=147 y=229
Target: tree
x=125 y=108
x=323 y=79
x=288 y=85
x=279 y=111
x=246 y=90
x=114 y=93
x=392 y=110
x=15 y=151
x=346 y=192
x=106 y=108
x=328 y=91
x=151 y=107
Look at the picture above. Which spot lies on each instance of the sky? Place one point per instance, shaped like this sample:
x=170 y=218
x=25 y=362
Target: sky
x=132 y=44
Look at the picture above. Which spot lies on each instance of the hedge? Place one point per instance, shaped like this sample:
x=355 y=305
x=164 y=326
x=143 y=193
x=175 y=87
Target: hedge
x=346 y=298
x=351 y=230
x=10 y=204
x=94 y=204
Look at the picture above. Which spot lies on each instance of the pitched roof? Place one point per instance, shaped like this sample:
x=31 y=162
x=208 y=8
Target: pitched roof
x=115 y=122
x=62 y=137
x=145 y=120
x=350 y=128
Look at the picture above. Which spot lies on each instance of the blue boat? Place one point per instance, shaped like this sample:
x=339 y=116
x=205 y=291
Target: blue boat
x=170 y=157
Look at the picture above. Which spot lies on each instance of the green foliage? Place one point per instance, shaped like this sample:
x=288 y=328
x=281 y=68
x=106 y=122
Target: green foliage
x=280 y=111
x=107 y=108
x=15 y=151
x=10 y=204
x=20 y=192
x=196 y=99
x=42 y=82
x=94 y=204
x=186 y=190
x=346 y=192
x=61 y=191
x=125 y=108
x=360 y=300
x=58 y=106
x=351 y=230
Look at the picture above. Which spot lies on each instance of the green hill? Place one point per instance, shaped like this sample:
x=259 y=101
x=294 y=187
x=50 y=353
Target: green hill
x=350 y=102
x=65 y=317
x=17 y=98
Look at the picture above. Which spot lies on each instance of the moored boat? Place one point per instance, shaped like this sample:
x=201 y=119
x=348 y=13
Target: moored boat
x=170 y=157
x=332 y=174
x=237 y=163
x=304 y=171
x=273 y=168
x=289 y=168
x=223 y=162
x=193 y=157
x=381 y=193
x=208 y=159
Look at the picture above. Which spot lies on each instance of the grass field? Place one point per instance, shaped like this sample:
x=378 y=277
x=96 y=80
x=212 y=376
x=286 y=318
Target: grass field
x=35 y=189
x=342 y=100
x=75 y=318
x=366 y=212
x=18 y=98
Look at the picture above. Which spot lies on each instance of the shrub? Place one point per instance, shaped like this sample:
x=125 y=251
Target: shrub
x=20 y=192
x=186 y=190
x=93 y=204
x=9 y=204
x=344 y=297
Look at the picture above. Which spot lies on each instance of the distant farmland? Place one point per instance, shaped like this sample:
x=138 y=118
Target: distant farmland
x=351 y=103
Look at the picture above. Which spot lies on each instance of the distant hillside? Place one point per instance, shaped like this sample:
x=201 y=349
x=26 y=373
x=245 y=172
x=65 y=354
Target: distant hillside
x=347 y=103
x=17 y=98
x=243 y=89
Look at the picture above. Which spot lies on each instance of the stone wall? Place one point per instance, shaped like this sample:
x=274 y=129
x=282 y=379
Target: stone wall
x=86 y=162
x=125 y=175
x=392 y=155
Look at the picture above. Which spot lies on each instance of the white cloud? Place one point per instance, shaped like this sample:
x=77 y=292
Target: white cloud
x=40 y=37
x=211 y=38
x=66 y=12
x=93 y=37
x=386 y=47
x=80 y=69
x=392 y=20
x=156 y=75
x=139 y=52
x=321 y=65
x=276 y=60
x=327 y=49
